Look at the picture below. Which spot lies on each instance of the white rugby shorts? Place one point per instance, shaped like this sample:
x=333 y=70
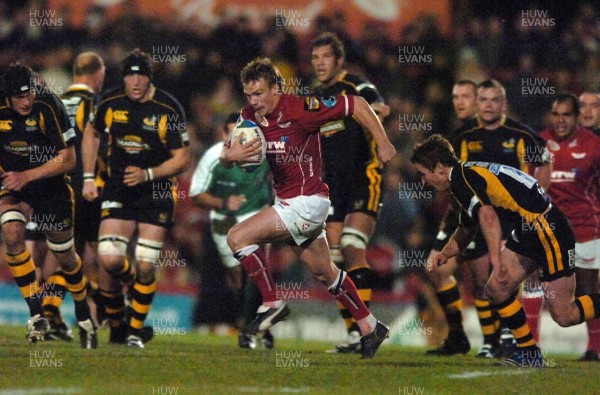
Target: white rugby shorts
x=303 y=216
x=587 y=255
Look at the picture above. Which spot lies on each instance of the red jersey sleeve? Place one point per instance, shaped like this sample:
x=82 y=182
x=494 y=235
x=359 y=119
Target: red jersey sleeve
x=320 y=110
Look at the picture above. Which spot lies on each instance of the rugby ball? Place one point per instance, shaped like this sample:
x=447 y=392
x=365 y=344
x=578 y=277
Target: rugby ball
x=248 y=131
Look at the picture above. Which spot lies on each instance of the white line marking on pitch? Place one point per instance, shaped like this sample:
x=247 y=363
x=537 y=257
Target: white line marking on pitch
x=477 y=374
x=43 y=391
x=262 y=390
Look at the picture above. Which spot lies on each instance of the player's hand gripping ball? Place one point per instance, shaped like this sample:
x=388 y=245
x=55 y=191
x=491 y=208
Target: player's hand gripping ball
x=250 y=131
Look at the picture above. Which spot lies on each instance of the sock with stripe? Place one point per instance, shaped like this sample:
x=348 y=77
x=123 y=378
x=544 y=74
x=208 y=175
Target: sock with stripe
x=513 y=317
x=364 y=280
x=127 y=273
x=489 y=321
x=76 y=283
x=449 y=298
x=22 y=269
x=253 y=260
x=53 y=295
x=141 y=301
x=114 y=306
x=589 y=307
x=345 y=292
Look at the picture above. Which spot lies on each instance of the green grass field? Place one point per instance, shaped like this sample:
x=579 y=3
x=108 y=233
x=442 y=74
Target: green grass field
x=191 y=363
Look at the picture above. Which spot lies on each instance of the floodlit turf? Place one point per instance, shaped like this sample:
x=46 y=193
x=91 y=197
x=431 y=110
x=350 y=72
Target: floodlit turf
x=200 y=364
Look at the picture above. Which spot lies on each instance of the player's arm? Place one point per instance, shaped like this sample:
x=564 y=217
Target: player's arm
x=89 y=155
x=366 y=117
x=456 y=244
x=63 y=162
x=235 y=151
x=179 y=161
x=492 y=232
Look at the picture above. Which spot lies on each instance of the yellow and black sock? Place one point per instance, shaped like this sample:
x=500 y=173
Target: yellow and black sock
x=141 y=301
x=449 y=298
x=589 y=307
x=364 y=280
x=489 y=321
x=513 y=317
x=53 y=296
x=127 y=274
x=114 y=306
x=76 y=283
x=23 y=271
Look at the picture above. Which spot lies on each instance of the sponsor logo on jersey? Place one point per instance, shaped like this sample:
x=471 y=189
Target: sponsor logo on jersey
x=311 y=104
x=475 y=146
x=21 y=148
x=276 y=147
x=573 y=143
x=262 y=120
x=332 y=127
x=330 y=101
x=132 y=144
x=578 y=155
x=149 y=121
x=121 y=116
x=5 y=126
x=163 y=217
x=31 y=122
x=509 y=144
x=563 y=176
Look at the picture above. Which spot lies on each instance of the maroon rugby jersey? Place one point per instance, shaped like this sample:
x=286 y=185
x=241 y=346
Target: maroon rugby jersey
x=575 y=181
x=293 y=146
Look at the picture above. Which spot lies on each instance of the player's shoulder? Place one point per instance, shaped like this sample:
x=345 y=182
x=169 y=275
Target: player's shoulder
x=357 y=82
x=112 y=95
x=512 y=124
x=588 y=135
x=48 y=99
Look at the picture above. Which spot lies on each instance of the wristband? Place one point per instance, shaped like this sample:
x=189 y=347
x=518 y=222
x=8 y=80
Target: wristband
x=88 y=177
x=149 y=174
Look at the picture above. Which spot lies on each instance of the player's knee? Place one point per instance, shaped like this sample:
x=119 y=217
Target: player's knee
x=112 y=250
x=61 y=248
x=562 y=319
x=148 y=251
x=114 y=264
x=353 y=239
x=234 y=238
x=145 y=272
x=13 y=228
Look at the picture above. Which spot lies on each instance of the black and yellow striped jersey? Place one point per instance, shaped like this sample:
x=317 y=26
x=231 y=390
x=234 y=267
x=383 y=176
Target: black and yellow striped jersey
x=30 y=141
x=79 y=101
x=511 y=144
x=346 y=147
x=515 y=195
x=139 y=134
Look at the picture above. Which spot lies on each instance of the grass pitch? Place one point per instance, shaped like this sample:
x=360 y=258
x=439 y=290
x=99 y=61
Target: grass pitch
x=190 y=363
